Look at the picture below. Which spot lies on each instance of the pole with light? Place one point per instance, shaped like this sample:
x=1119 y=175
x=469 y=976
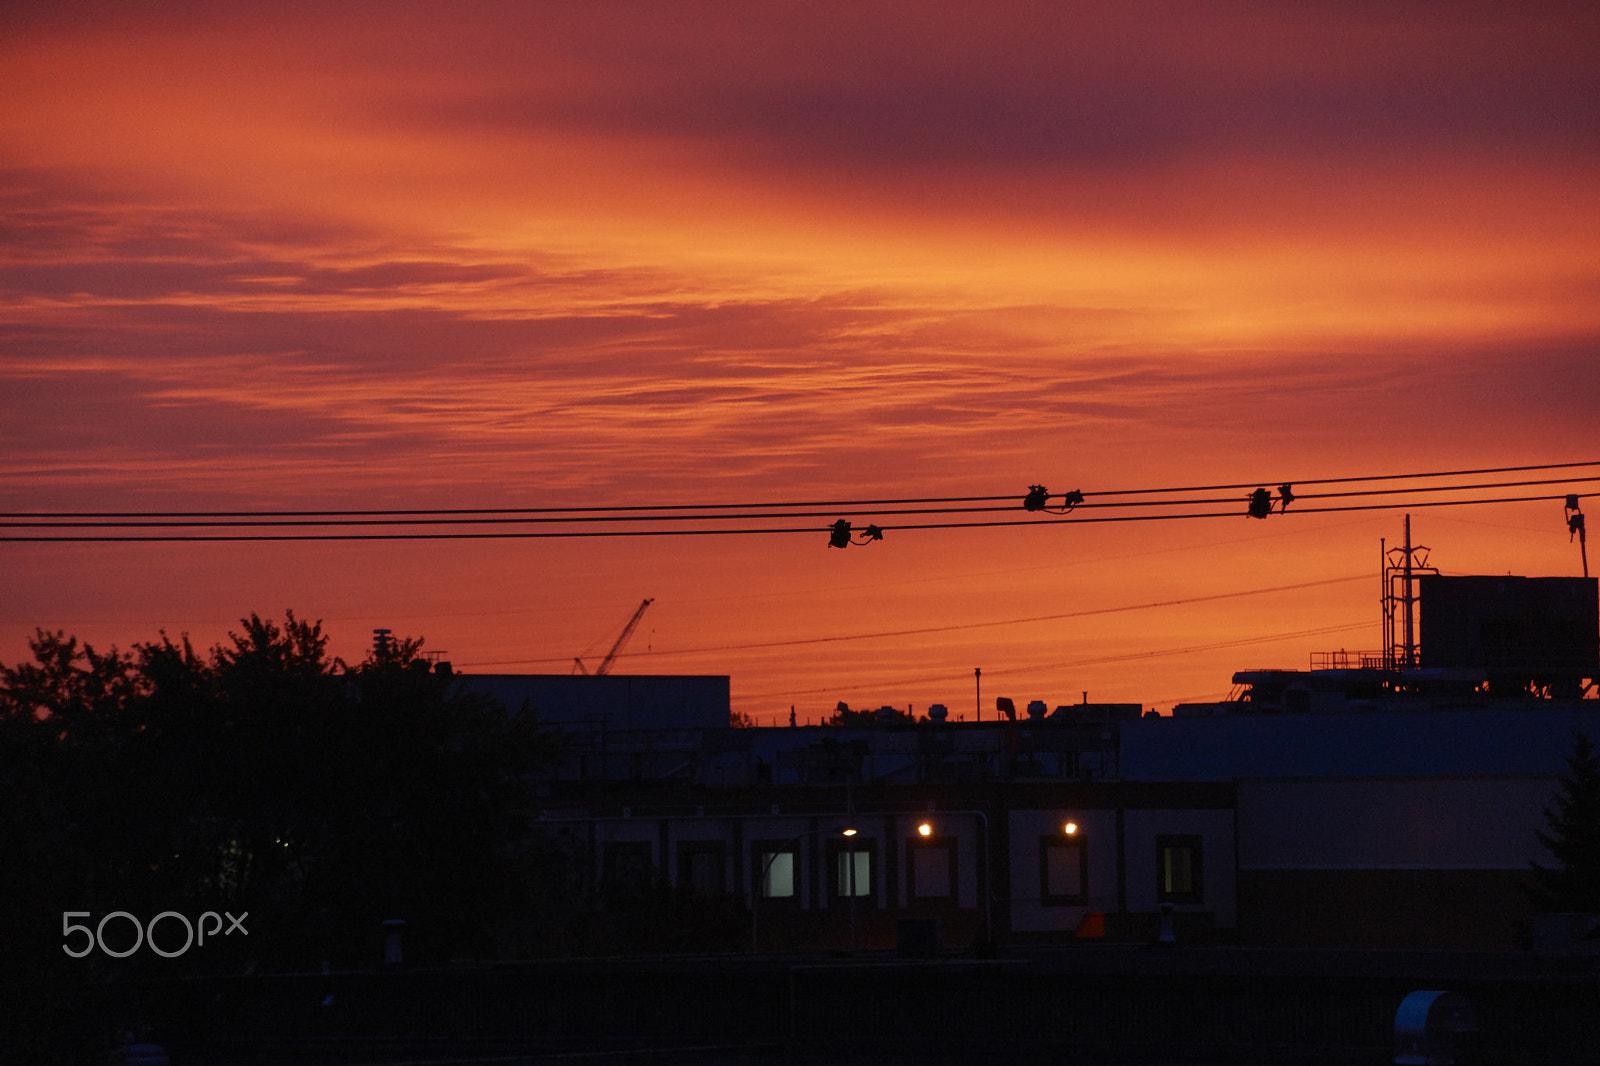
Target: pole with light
x=926 y=830
x=759 y=887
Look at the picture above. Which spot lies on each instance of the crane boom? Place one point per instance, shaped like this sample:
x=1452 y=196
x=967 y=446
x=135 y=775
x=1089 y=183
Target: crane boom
x=627 y=631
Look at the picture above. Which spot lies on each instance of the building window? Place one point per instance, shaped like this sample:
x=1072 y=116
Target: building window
x=1178 y=870
x=702 y=866
x=855 y=873
x=775 y=870
x=852 y=869
x=1063 y=872
x=931 y=871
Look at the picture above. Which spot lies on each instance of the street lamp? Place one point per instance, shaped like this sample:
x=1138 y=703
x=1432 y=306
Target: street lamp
x=926 y=830
x=766 y=868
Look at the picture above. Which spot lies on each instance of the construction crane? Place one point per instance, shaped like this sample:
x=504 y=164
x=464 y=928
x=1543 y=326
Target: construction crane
x=627 y=631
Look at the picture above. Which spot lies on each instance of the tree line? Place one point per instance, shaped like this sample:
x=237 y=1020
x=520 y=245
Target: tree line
x=263 y=777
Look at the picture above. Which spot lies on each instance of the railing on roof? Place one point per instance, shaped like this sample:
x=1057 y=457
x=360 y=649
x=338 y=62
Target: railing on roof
x=1352 y=660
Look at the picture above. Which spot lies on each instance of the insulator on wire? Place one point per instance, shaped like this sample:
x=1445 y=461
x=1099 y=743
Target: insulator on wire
x=840 y=535
x=1038 y=499
x=1575 y=527
x=1285 y=496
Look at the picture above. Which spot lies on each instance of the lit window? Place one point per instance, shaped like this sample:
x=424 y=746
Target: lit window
x=779 y=880
x=855 y=873
x=1179 y=870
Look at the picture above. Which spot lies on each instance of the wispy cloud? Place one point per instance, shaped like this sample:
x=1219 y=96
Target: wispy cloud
x=633 y=252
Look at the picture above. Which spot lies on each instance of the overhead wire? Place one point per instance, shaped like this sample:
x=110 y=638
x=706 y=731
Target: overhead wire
x=154 y=520
x=833 y=504
x=578 y=522
x=809 y=530
x=922 y=631
x=1345 y=480
x=1071 y=663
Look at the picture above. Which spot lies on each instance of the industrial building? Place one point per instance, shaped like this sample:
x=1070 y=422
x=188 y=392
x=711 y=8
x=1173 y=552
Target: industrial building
x=1387 y=799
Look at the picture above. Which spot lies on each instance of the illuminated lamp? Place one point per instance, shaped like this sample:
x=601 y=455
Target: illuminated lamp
x=925 y=830
x=1071 y=829
x=849 y=833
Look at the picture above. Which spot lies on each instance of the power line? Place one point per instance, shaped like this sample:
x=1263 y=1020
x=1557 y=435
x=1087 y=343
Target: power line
x=960 y=626
x=255 y=522
x=1393 y=506
x=768 y=530
x=966 y=678
x=1344 y=480
x=745 y=507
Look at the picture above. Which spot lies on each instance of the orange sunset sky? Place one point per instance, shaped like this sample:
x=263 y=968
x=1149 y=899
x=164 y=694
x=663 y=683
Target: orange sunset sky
x=371 y=256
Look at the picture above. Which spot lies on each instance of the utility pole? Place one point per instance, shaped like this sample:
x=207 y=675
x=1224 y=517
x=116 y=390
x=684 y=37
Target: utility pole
x=1575 y=529
x=1383 y=604
x=850 y=857
x=1403 y=566
x=1410 y=601
x=977 y=681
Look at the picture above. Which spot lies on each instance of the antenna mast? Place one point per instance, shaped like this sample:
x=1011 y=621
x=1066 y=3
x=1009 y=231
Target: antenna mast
x=1401 y=568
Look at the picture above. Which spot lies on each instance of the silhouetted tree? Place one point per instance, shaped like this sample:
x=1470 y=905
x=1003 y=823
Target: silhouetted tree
x=266 y=777
x=64 y=743
x=437 y=779
x=63 y=835
x=1574 y=836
